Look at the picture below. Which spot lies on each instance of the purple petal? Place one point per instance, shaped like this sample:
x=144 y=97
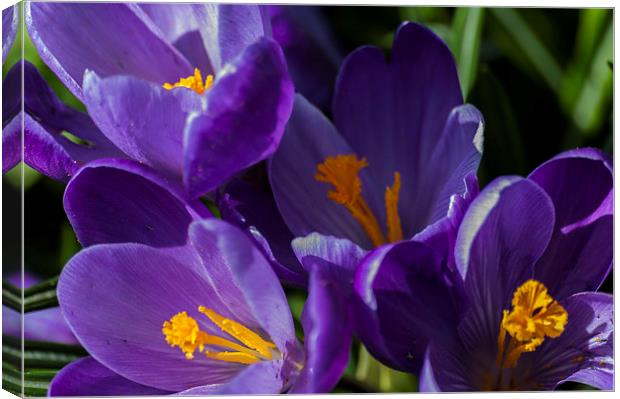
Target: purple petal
x=327 y=324
x=143 y=119
x=10 y=18
x=340 y=252
x=41 y=325
x=580 y=254
x=258 y=379
x=111 y=201
x=302 y=200
x=173 y=20
x=46 y=148
x=405 y=299
x=109 y=39
x=116 y=298
x=504 y=232
x=255 y=210
x=246 y=113
x=310 y=50
x=244 y=275
x=12 y=143
x=394 y=115
x=88 y=377
x=227 y=29
x=583 y=353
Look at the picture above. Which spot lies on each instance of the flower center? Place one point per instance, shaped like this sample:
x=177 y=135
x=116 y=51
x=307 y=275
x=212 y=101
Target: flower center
x=183 y=331
x=534 y=316
x=342 y=173
x=193 y=82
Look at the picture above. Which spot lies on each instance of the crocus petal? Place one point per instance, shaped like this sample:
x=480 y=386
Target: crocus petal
x=246 y=113
x=12 y=143
x=46 y=148
x=327 y=323
x=143 y=119
x=310 y=49
x=111 y=201
x=40 y=325
x=405 y=299
x=244 y=277
x=260 y=378
x=227 y=29
x=10 y=18
x=580 y=254
x=303 y=200
x=116 y=298
x=88 y=377
x=504 y=232
x=255 y=210
x=584 y=351
x=391 y=114
x=109 y=39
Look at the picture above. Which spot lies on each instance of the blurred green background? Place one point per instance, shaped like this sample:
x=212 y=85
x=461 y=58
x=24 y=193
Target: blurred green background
x=541 y=77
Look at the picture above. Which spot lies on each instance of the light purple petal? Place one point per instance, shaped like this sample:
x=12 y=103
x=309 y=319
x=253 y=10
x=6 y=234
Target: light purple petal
x=406 y=298
x=88 y=377
x=302 y=200
x=109 y=39
x=394 y=114
x=246 y=113
x=580 y=254
x=143 y=119
x=10 y=19
x=244 y=276
x=116 y=298
x=12 y=143
x=111 y=201
x=227 y=29
x=258 y=379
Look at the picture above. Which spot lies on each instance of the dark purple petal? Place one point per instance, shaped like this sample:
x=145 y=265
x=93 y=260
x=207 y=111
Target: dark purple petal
x=88 y=377
x=46 y=147
x=244 y=277
x=143 y=119
x=116 y=298
x=394 y=115
x=584 y=351
x=111 y=201
x=246 y=113
x=504 y=232
x=109 y=39
x=318 y=249
x=10 y=18
x=255 y=210
x=328 y=327
x=310 y=50
x=451 y=368
x=12 y=143
x=227 y=29
x=302 y=200
x=580 y=254
x=405 y=299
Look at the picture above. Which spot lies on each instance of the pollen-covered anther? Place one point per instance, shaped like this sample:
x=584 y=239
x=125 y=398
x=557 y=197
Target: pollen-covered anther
x=342 y=173
x=193 y=82
x=535 y=315
x=183 y=331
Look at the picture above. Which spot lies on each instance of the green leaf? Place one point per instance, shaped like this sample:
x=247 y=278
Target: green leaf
x=465 y=40
x=39 y=354
x=530 y=45
x=37 y=297
x=371 y=373
x=35 y=381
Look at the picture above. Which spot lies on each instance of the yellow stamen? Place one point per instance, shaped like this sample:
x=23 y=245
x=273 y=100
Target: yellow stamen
x=193 y=82
x=534 y=316
x=394 y=229
x=342 y=173
x=183 y=331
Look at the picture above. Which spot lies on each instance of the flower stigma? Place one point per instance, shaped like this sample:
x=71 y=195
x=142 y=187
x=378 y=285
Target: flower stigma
x=193 y=82
x=342 y=173
x=183 y=331
x=535 y=315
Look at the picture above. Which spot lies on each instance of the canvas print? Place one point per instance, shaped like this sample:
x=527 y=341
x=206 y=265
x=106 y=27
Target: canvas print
x=227 y=199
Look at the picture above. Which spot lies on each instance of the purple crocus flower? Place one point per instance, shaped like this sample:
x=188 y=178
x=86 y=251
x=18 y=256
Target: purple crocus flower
x=40 y=325
x=403 y=144
x=197 y=92
x=519 y=310
x=10 y=19
x=141 y=228
x=208 y=317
